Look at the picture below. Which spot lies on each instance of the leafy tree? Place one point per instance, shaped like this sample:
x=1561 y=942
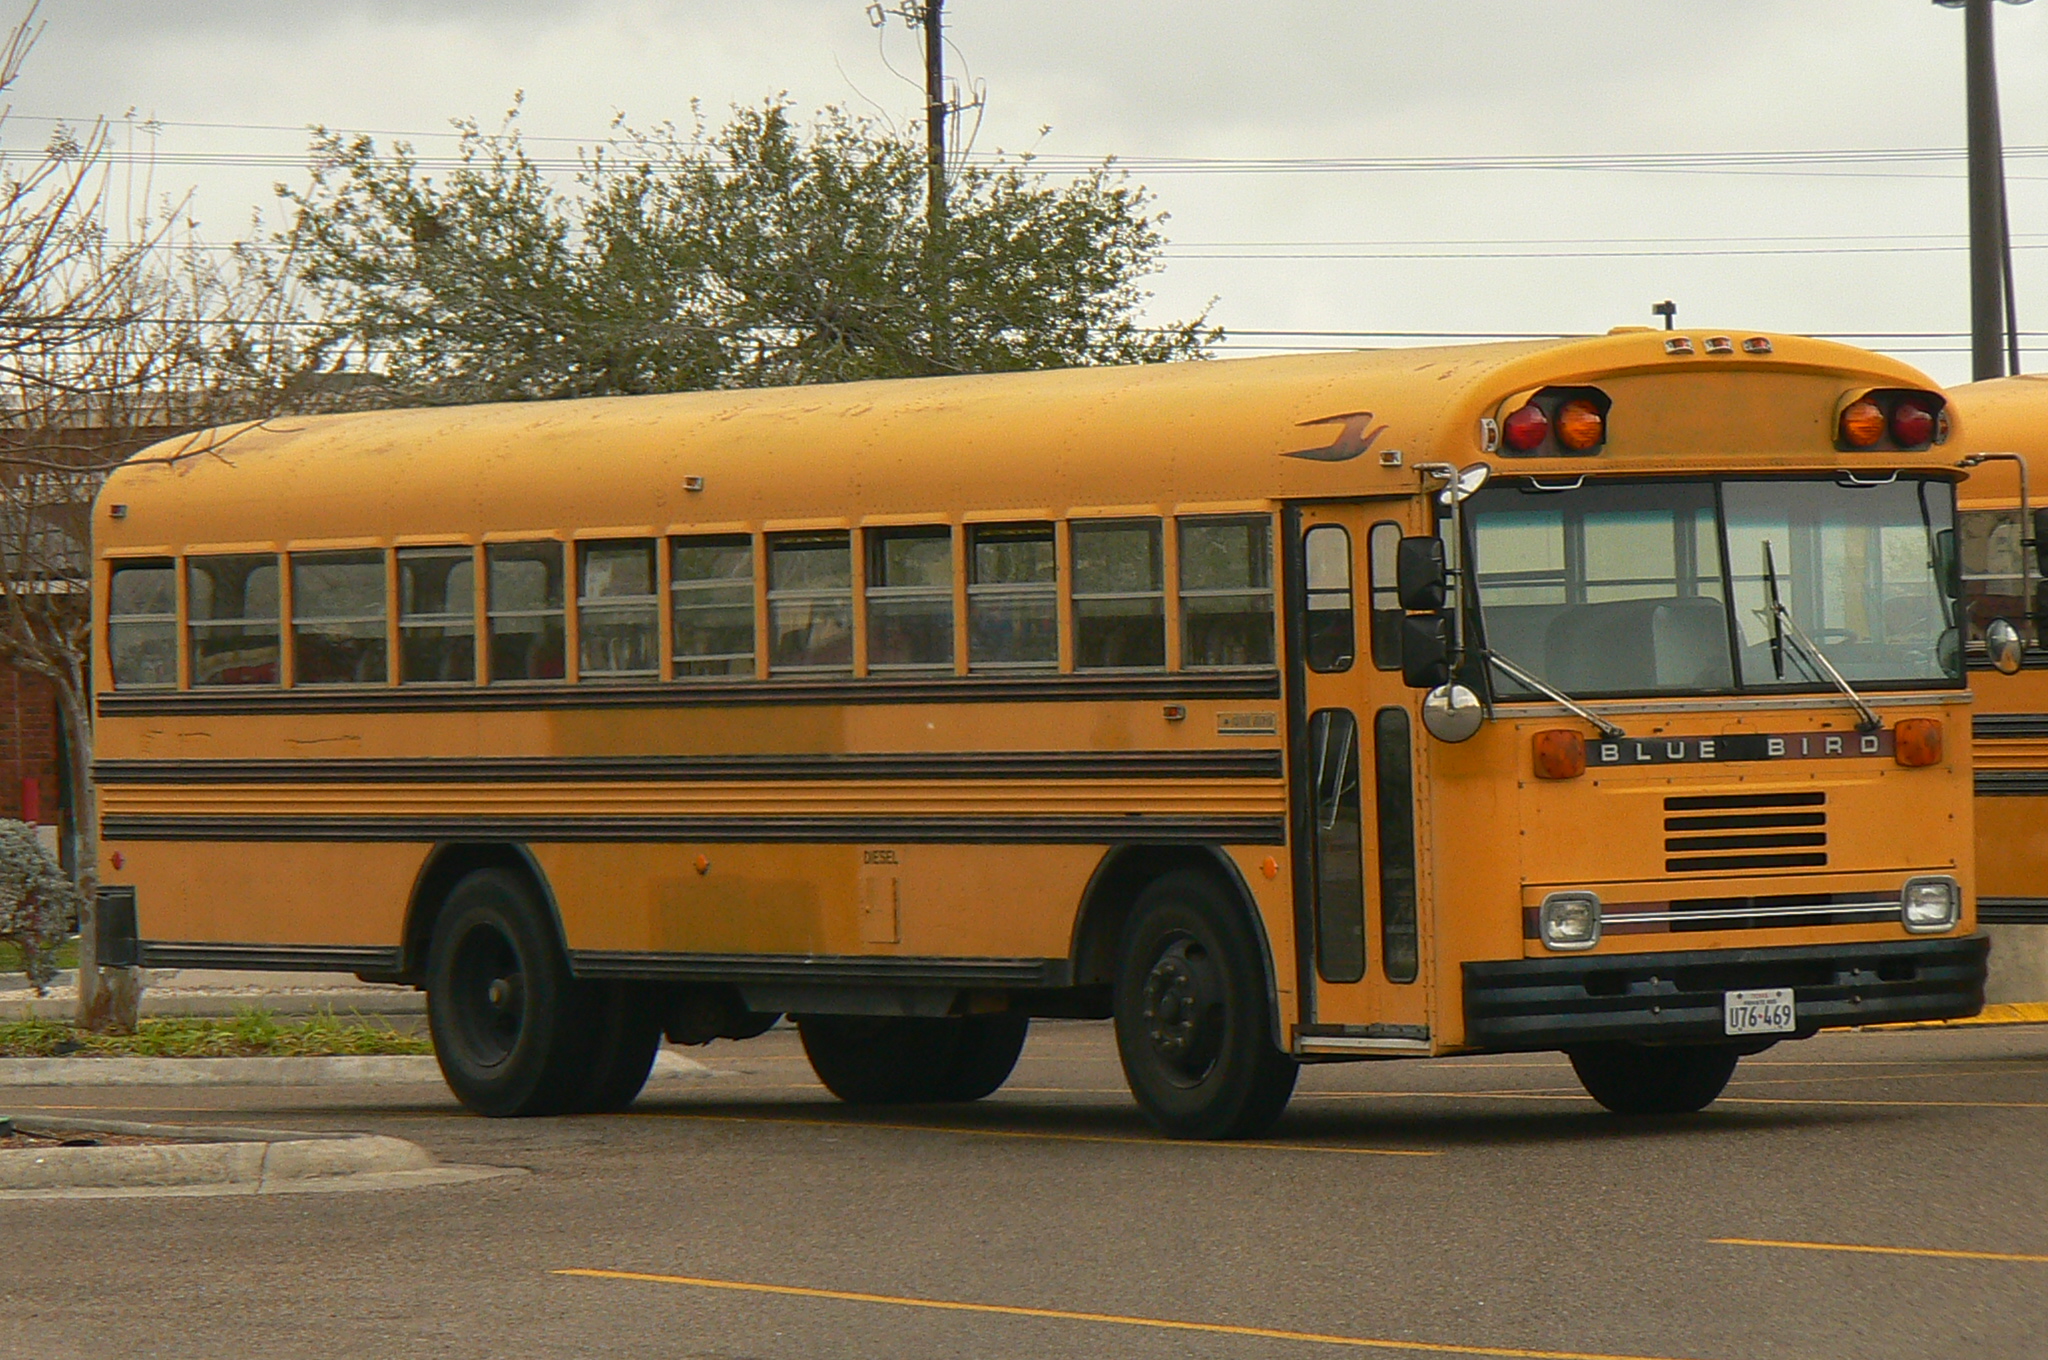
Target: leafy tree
x=760 y=253
x=36 y=900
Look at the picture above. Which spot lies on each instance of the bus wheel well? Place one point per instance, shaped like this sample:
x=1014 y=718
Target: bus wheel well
x=1123 y=874
x=445 y=867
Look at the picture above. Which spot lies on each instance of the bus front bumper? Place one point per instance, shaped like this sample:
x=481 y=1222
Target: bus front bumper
x=1532 y=1004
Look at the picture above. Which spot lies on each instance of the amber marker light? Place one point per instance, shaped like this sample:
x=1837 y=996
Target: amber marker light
x=1863 y=423
x=1917 y=741
x=1560 y=754
x=1580 y=425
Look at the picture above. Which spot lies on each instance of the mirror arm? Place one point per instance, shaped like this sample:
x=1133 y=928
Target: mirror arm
x=1600 y=724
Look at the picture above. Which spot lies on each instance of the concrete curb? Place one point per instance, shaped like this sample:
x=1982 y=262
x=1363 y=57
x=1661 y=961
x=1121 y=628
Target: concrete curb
x=220 y=1004
x=237 y=1160
x=365 y=1071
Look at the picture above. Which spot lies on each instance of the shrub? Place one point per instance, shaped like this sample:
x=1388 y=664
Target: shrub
x=36 y=899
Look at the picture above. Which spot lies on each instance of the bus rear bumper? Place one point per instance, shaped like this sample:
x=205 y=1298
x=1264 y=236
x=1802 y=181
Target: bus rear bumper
x=1533 y=1004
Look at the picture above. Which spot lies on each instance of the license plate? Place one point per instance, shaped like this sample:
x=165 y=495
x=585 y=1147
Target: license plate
x=1768 y=1010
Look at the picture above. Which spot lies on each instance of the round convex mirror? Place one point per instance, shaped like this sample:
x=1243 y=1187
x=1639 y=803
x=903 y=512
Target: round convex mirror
x=1452 y=713
x=2002 y=640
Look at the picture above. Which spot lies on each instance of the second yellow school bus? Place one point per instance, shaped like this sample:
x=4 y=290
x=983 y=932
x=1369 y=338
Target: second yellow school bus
x=1591 y=695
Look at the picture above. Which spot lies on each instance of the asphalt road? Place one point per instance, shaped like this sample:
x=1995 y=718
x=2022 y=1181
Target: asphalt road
x=1880 y=1195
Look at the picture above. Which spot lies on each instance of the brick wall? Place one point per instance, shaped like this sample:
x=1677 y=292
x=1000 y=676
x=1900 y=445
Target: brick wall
x=28 y=744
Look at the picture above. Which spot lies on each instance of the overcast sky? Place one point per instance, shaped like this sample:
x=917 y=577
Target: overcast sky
x=1826 y=245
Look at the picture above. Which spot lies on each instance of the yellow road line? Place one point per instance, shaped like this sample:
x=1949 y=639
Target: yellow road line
x=2002 y=1013
x=1891 y=1104
x=1043 y=1136
x=1111 y=1319
x=1883 y=1251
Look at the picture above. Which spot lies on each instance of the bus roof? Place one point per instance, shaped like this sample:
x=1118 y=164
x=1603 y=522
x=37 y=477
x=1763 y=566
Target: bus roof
x=1151 y=439
x=2001 y=415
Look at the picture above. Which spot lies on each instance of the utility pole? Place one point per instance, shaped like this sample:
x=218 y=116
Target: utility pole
x=934 y=118
x=1994 y=320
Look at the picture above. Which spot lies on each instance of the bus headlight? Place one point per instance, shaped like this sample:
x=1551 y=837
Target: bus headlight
x=1569 y=920
x=1929 y=906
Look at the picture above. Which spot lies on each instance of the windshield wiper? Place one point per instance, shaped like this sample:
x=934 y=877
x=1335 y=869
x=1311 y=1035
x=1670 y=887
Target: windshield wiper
x=1783 y=624
x=1514 y=672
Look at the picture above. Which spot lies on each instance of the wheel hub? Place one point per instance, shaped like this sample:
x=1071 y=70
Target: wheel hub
x=1183 y=1008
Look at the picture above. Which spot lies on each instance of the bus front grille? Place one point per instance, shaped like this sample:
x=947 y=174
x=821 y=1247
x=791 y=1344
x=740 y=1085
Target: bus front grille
x=1736 y=831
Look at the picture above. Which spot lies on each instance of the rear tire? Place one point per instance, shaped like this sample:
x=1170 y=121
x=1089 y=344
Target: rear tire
x=1193 y=1018
x=512 y=1029
x=626 y=1022
x=1641 y=1079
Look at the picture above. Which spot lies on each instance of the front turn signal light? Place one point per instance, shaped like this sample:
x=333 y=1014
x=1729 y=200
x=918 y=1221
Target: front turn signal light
x=1917 y=741
x=1560 y=754
x=1863 y=423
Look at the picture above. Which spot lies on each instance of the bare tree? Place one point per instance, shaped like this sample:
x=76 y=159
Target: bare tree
x=111 y=341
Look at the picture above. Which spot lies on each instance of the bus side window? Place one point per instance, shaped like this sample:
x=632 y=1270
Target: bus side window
x=525 y=600
x=1119 y=595
x=338 y=629
x=810 y=602
x=618 y=619
x=142 y=624
x=232 y=619
x=910 y=599
x=1226 y=592
x=1382 y=544
x=1012 y=598
x=436 y=616
x=1988 y=544
x=1331 y=634
x=711 y=599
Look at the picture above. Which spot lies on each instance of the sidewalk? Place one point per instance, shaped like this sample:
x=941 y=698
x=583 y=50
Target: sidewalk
x=211 y=991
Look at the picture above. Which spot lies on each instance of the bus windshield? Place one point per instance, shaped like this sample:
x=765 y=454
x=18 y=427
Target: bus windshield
x=1622 y=588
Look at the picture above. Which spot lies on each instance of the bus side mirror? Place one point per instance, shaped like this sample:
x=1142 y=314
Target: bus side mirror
x=1947 y=566
x=1425 y=649
x=1420 y=576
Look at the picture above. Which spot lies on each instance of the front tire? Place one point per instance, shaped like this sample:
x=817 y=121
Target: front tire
x=1193 y=1020
x=511 y=1027
x=1641 y=1079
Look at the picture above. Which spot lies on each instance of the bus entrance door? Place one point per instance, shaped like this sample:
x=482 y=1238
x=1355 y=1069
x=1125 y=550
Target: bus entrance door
x=1353 y=785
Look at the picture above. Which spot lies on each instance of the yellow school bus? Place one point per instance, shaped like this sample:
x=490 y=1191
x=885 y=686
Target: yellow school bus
x=2002 y=431
x=1599 y=695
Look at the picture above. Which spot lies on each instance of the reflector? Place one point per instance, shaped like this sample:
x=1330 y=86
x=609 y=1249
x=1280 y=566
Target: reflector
x=1525 y=429
x=1862 y=423
x=1579 y=424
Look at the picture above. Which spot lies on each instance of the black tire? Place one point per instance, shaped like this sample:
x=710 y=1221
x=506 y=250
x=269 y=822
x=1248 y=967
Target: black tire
x=1639 y=1079
x=984 y=1056
x=626 y=1035
x=1193 y=1019
x=512 y=1029
x=880 y=1059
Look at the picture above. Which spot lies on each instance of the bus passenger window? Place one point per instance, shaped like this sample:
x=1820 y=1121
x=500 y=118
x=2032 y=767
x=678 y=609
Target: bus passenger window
x=142 y=625
x=1119 y=595
x=711 y=594
x=525 y=600
x=436 y=616
x=1226 y=592
x=232 y=619
x=1013 y=614
x=1331 y=636
x=618 y=624
x=910 y=599
x=810 y=602
x=338 y=618
x=1383 y=545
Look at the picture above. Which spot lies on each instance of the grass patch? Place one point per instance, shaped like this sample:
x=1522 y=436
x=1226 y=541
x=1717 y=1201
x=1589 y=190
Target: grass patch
x=248 y=1034
x=10 y=955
